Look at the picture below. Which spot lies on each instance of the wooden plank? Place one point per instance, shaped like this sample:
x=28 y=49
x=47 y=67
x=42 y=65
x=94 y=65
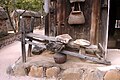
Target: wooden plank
x=96 y=60
x=36 y=39
x=59 y=16
x=94 y=21
x=41 y=37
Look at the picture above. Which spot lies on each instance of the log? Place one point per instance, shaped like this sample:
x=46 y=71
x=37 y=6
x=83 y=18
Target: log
x=41 y=37
x=96 y=60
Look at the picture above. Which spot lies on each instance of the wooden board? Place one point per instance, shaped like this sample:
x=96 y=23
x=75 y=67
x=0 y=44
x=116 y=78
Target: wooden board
x=41 y=37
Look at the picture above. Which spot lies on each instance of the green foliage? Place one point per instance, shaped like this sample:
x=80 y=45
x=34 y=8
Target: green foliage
x=35 y=5
x=6 y=3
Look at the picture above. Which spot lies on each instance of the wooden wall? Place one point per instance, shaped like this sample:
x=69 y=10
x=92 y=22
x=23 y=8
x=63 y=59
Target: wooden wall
x=63 y=9
x=78 y=31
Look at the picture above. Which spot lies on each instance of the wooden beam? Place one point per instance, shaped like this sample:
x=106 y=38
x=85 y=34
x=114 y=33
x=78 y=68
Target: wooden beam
x=95 y=21
x=41 y=37
x=36 y=44
x=96 y=60
x=59 y=16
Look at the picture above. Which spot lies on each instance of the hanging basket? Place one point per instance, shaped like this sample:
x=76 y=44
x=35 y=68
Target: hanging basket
x=76 y=17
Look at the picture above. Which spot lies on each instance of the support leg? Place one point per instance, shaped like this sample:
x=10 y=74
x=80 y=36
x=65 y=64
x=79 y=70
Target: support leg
x=31 y=30
x=23 y=40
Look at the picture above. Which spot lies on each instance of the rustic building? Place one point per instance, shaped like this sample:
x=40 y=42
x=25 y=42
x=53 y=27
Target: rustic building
x=62 y=9
x=3 y=26
x=96 y=14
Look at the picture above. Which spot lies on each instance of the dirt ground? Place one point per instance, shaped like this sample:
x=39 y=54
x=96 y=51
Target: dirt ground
x=10 y=53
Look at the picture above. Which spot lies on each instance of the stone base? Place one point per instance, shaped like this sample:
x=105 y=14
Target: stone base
x=44 y=66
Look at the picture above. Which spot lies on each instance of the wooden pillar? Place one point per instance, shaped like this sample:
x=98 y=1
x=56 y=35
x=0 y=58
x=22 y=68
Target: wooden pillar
x=47 y=24
x=52 y=18
x=95 y=21
x=23 y=39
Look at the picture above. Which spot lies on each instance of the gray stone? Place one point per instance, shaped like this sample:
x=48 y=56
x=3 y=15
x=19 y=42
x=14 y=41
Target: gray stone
x=36 y=71
x=19 y=70
x=64 y=38
x=10 y=70
x=72 y=74
x=82 y=74
x=82 y=42
x=93 y=74
x=112 y=75
x=52 y=72
x=32 y=72
x=37 y=50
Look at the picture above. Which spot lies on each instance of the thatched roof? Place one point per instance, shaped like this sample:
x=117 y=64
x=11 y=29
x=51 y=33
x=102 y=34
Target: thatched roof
x=26 y=13
x=3 y=15
x=76 y=1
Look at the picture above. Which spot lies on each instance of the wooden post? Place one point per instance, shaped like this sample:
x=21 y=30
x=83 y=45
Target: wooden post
x=59 y=15
x=31 y=30
x=52 y=18
x=47 y=24
x=95 y=21
x=23 y=39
